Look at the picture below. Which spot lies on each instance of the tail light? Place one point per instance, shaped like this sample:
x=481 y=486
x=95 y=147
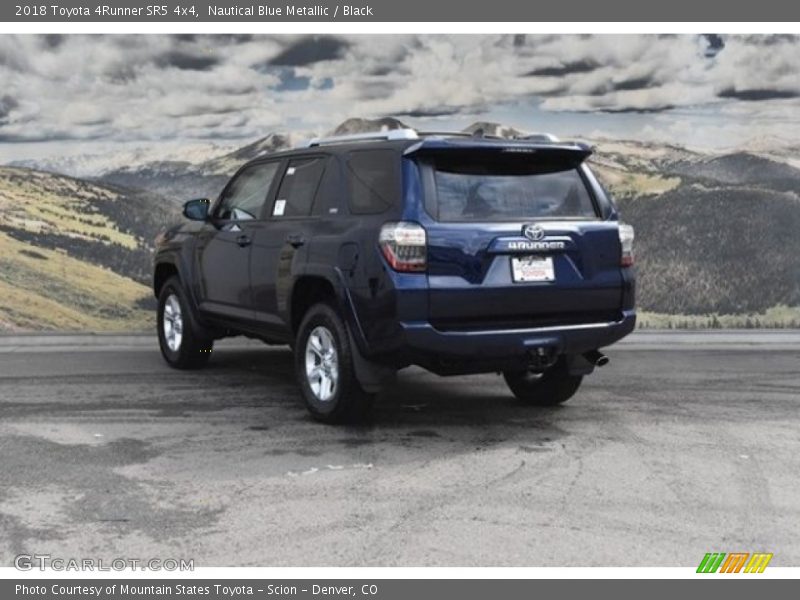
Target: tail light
x=626 y=241
x=404 y=246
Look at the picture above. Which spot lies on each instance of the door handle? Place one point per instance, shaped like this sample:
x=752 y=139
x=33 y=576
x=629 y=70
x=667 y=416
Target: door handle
x=243 y=241
x=295 y=239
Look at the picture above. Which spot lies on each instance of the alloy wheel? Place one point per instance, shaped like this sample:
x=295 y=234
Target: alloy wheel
x=322 y=363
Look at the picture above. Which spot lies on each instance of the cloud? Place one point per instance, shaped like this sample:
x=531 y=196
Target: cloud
x=186 y=61
x=53 y=40
x=763 y=63
x=622 y=73
x=637 y=83
x=7 y=104
x=13 y=55
x=171 y=87
x=309 y=50
x=755 y=95
x=430 y=112
x=579 y=66
x=715 y=44
x=641 y=111
x=769 y=40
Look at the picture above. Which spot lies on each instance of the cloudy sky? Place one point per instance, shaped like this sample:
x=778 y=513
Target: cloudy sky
x=69 y=94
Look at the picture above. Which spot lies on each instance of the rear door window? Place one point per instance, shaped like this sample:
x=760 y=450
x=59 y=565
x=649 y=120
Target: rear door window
x=299 y=187
x=471 y=189
x=329 y=195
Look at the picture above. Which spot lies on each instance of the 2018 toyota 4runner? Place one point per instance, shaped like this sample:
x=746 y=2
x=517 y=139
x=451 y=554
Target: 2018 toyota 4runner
x=369 y=253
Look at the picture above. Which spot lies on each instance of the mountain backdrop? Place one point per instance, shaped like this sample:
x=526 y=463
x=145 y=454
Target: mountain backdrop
x=717 y=234
x=75 y=254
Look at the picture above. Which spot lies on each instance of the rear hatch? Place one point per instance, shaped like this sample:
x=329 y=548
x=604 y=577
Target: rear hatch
x=516 y=240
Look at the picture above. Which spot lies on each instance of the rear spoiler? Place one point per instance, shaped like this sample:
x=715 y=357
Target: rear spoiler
x=569 y=151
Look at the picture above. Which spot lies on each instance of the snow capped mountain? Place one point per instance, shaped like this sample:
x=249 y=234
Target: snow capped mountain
x=493 y=129
x=96 y=164
x=358 y=125
x=229 y=162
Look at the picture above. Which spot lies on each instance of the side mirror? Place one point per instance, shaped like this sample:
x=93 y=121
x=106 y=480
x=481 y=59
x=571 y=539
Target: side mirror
x=196 y=210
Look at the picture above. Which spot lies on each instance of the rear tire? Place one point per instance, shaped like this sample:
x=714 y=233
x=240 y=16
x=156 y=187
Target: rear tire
x=325 y=369
x=553 y=386
x=184 y=345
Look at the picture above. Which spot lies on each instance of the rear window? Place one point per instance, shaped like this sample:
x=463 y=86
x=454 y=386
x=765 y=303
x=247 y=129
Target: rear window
x=373 y=178
x=510 y=189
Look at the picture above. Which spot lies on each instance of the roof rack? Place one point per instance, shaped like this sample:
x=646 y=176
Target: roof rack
x=412 y=134
x=444 y=134
x=539 y=137
x=388 y=135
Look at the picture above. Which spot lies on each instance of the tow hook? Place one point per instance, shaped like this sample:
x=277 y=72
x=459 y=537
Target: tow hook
x=598 y=359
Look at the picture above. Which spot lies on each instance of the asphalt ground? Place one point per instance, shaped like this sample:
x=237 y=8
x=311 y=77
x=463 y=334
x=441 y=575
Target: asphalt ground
x=686 y=443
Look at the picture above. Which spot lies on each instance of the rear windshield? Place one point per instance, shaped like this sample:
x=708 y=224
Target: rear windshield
x=471 y=189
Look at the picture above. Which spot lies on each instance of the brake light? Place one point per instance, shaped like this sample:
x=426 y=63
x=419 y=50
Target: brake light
x=404 y=246
x=626 y=241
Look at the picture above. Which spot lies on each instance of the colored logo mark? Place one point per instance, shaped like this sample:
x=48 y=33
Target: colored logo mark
x=734 y=562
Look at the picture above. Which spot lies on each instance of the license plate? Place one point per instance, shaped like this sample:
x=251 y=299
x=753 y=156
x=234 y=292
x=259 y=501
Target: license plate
x=532 y=268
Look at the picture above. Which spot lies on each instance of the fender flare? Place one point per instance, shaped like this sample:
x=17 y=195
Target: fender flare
x=177 y=261
x=336 y=278
x=372 y=376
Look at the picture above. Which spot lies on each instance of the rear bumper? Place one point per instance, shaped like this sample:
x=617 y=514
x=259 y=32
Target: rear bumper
x=422 y=337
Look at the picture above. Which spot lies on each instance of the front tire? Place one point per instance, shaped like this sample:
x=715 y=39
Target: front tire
x=550 y=388
x=325 y=369
x=184 y=345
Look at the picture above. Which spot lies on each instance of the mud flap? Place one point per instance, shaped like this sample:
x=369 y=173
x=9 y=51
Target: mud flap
x=372 y=376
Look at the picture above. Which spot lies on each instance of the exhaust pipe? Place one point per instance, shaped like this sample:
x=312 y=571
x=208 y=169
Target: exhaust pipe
x=598 y=359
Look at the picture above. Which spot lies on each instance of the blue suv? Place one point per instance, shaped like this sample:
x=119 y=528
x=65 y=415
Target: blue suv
x=369 y=253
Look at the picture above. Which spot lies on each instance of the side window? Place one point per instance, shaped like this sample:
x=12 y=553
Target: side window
x=329 y=194
x=243 y=198
x=299 y=186
x=373 y=180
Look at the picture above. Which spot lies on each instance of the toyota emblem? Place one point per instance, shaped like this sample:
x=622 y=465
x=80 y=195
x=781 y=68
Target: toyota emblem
x=533 y=232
